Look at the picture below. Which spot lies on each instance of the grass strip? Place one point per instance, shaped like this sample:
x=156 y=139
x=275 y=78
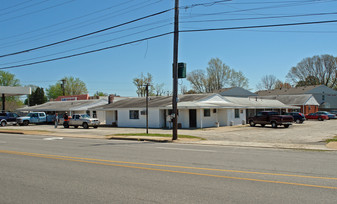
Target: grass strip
x=157 y=135
x=334 y=139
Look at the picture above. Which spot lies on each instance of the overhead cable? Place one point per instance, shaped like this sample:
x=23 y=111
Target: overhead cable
x=164 y=34
x=88 y=52
x=85 y=35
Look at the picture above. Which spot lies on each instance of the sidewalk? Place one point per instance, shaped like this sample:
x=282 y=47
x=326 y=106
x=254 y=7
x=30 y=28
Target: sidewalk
x=107 y=133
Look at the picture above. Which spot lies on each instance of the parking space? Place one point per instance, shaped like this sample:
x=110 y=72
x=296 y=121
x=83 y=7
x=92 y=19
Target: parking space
x=310 y=132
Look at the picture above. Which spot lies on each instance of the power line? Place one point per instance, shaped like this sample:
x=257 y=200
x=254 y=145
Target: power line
x=260 y=18
x=88 y=52
x=164 y=34
x=94 y=44
x=74 y=26
x=253 y=9
x=69 y=20
x=259 y=26
x=16 y=5
x=41 y=2
x=85 y=35
x=36 y=11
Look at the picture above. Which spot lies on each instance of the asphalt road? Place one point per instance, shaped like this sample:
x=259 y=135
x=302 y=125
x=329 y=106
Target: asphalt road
x=40 y=169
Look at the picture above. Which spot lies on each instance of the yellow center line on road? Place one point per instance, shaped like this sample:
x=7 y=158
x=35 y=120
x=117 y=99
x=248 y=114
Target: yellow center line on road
x=113 y=163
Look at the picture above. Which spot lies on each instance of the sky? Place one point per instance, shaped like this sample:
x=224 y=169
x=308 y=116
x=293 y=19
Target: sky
x=256 y=52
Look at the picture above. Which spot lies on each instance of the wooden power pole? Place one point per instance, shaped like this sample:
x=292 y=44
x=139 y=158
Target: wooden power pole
x=175 y=71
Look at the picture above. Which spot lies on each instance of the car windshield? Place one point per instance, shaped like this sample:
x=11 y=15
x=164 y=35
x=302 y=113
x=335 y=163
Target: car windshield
x=85 y=116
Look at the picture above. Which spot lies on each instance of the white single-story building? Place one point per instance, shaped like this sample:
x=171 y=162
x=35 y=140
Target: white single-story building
x=194 y=111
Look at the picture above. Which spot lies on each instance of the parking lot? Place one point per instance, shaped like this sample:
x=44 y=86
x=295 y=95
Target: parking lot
x=310 y=132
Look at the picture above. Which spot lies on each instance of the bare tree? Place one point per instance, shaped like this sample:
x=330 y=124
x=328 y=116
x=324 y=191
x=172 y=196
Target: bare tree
x=218 y=76
x=159 y=89
x=268 y=82
x=237 y=79
x=141 y=82
x=198 y=80
x=280 y=85
x=324 y=67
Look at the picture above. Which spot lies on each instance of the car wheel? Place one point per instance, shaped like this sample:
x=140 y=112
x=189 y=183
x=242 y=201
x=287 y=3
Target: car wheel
x=298 y=121
x=251 y=123
x=273 y=125
x=85 y=125
x=26 y=122
x=320 y=119
x=3 y=123
x=286 y=126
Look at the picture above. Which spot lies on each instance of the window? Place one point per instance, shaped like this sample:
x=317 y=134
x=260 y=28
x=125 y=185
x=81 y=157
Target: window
x=134 y=114
x=237 y=113
x=207 y=112
x=94 y=114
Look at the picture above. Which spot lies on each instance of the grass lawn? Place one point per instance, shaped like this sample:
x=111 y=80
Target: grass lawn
x=334 y=139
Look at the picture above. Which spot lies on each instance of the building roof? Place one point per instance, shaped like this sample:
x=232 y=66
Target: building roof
x=303 y=99
x=65 y=105
x=195 y=101
x=253 y=102
x=15 y=90
x=154 y=101
x=235 y=91
x=289 y=91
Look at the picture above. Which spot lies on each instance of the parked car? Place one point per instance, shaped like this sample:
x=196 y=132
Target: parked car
x=33 y=117
x=330 y=115
x=8 y=118
x=317 y=116
x=271 y=117
x=298 y=117
x=333 y=112
x=83 y=120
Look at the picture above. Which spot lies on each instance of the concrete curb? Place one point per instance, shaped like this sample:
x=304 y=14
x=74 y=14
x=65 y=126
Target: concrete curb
x=11 y=132
x=332 y=146
x=156 y=139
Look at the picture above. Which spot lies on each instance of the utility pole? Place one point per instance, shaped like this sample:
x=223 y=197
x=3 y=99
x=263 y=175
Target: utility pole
x=147 y=108
x=3 y=103
x=175 y=71
x=62 y=86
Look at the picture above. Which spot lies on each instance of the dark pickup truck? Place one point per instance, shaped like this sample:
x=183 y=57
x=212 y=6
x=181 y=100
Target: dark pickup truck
x=8 y=118
x=271 y=118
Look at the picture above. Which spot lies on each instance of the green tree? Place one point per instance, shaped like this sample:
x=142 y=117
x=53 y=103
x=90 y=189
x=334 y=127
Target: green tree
x=8 y=79
x=99 y=93
x=37 y=97
x=72 y=86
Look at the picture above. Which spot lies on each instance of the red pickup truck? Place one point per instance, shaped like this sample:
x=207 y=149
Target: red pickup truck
x=271 y=118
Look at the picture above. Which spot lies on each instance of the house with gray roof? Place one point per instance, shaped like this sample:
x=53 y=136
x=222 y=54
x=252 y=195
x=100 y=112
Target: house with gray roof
x=325 y=96
x=235 y=91
x=194 y=111
x=306 y=102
